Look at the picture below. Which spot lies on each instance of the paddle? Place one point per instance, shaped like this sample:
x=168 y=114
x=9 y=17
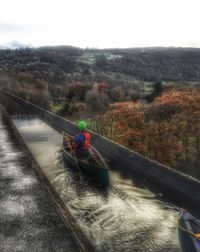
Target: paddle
x=74 y=156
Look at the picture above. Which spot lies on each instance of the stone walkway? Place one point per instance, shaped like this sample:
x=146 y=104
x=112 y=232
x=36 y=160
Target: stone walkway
x=28 y=218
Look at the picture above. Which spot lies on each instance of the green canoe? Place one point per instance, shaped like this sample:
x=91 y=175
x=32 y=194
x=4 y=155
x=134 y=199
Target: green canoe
x=95 y=166
x=188 y=227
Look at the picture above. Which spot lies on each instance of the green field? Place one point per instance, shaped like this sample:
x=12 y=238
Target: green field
x=58 y=107
x=148 y=87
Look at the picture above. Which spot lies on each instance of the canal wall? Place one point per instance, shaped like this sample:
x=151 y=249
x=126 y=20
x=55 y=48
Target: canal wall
x=172 y=180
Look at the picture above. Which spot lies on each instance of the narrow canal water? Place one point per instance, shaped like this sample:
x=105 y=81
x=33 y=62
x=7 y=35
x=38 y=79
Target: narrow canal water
x=127 y=217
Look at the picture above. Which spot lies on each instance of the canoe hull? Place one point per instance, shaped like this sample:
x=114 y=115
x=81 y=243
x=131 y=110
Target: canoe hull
x=99 y=174
x=187 y=241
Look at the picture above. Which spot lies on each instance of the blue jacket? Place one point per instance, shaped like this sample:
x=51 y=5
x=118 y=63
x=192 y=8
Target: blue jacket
x=79 y=140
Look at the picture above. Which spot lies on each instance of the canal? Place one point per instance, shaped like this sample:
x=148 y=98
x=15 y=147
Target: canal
x=129 y=216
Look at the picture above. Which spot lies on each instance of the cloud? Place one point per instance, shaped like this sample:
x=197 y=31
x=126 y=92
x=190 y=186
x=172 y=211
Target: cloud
x=14 y=45
x=14 y=27
x=101 y=23
x=9 y=27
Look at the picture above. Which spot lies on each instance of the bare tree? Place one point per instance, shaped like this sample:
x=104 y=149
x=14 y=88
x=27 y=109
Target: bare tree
x=96 y=101
x=97 y=105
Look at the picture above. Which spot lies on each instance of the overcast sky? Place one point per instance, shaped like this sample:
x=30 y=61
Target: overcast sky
x=100 y=23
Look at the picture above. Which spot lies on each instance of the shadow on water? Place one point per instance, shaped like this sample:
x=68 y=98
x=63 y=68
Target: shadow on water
x=160 y=193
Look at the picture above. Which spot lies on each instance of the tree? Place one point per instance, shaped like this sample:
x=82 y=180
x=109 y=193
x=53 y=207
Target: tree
x=128 y=122
x=39 y=98
x=162 y=142
x=134 y=95
x=100 y=86
x=41 y=85
x=77 y=109
x=26 y=77
x=157 y=88
x=77 y=90
x=97 y=106
x=101 y=61
x=183 y=117
x=117 y=94
x=57 y=91
x=96 y=101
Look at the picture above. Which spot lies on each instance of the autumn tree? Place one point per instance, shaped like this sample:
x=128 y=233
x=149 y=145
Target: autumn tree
x=41 y=85
x=24 y=77
x=77 y=109
x=77 y=90
x=168 y=130
x=182 y=113
x=117 y=94
x=100 y=86
x=162 y=142
x=129 y=126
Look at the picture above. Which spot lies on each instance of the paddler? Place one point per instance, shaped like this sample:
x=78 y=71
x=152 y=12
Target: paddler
x=82 y=141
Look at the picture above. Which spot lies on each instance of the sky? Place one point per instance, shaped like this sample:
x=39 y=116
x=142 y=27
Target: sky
x=100 y=23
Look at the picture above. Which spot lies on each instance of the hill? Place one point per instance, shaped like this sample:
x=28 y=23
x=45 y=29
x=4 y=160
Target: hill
x=64 y=64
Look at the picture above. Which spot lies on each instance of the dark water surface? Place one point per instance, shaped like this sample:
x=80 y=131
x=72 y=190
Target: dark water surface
x=127 y=217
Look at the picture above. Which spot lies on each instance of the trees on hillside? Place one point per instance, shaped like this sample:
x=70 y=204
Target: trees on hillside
x=157 y=90
x=97 y=105
x=168 y=130
x=128 y=125
x=117 y=94
x=77 y=90
x=186 y=121
x=41 y=85
x=39 y=98
x=97 y=101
